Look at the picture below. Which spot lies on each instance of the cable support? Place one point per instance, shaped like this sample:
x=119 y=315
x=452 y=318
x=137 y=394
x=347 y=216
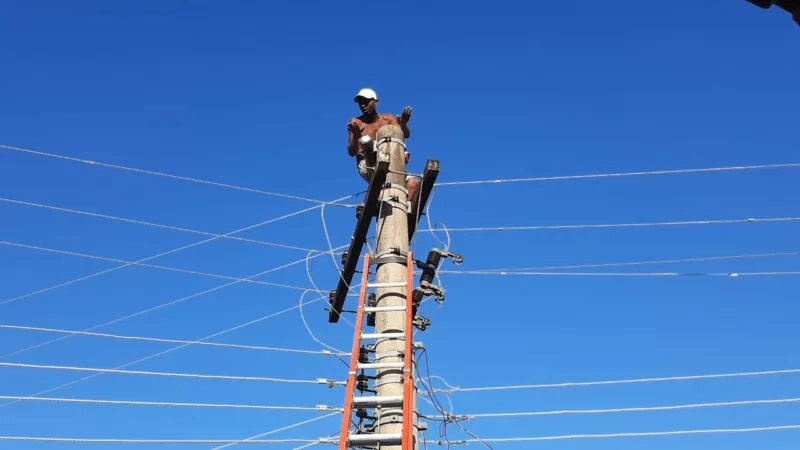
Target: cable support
x=640 y=263
x=627 y=381
x=161 y=374
x=277 y=430
x=623 y=274
x=162 y=174
x=169 y=350
x=177 y=404
x=158 y=255
x=626 y=225
x=172 y=341
x=154 y=266
x=161 y=441
x=623 y=410
x=151 y=224
x=623 y=174
x=621 y=435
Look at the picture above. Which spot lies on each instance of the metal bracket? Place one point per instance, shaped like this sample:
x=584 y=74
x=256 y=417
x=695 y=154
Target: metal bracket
x=421 y=323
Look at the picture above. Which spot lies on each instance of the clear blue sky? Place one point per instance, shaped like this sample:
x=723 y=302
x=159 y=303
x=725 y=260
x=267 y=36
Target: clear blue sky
x=258 y=94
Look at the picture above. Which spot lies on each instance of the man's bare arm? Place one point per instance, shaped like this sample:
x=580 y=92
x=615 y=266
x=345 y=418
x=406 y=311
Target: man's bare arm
x=353 y=134
x=403 y=119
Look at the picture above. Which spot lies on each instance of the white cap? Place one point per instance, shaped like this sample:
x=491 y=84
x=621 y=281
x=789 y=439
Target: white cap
x=366 y=93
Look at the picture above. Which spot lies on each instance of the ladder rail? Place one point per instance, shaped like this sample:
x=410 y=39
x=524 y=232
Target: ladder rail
x=408 y=376
x=344 y=436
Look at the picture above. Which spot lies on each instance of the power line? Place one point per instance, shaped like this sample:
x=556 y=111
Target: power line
x=175 y=404
x=625 y=225
x=158 y=255
x=171 y=341
x=150 y=224
x=154 y=308
x=169 y=350
x=161 y=374
x=288 y=427
x=645 y=434
x=634 y=409
x=641 y=263
x=622 y=174
x=153 y=266
x=160 y=174
x=627 y=381
x=622 y=274
x=161 y=441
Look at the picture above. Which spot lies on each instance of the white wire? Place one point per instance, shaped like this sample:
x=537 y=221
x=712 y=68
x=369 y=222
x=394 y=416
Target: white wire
x=155 y=374
x=622 y=274
x=328 y=239
x=160 y=174
x=172 y=341
x=278 y=430
x=622 y=174
x=153 y=266
x=640 y=263
x=628 y=381
x=158 y=441
x=654 y=433
x=150 y=224
x=625 y=225
x=176 y=404
x=170 y=350
x=635 y=409
x=308 y=328
x=158 y=255
x=154 y=308
x=325 y=440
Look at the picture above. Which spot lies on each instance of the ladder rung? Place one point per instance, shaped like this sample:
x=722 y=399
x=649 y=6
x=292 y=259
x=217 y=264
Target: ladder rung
x=382 y=365
x=398 y=335
x=387 y=285
x=377 y=400
x=375 y=439
x=371 y=309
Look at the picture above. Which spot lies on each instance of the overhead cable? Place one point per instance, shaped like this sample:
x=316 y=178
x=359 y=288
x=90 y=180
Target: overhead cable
x=626 y=381
x=159 y=174
x=176 y=404
x=622 y=174
x=153 y=266
x=623 y=274
x=158 y=441
x=150 y=224
x=624 y=410
x=171 y=341
x=648 y=262
x=277 y=430
x=625 y=225
x=161 y=374
x=158 y=255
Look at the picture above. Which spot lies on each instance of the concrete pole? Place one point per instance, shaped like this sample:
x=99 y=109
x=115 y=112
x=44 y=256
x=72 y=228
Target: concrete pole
x=392 y=234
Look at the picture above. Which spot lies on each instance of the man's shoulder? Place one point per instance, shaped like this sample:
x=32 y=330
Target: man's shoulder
x=388 y=118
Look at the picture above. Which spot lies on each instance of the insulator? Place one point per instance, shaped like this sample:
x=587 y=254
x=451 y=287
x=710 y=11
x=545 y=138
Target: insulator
x=363 y=355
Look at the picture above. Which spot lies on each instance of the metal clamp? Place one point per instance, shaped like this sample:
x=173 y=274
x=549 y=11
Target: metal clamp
x=389 y=139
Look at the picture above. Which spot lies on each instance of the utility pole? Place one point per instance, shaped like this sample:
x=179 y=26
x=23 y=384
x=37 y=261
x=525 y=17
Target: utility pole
x=392 y=236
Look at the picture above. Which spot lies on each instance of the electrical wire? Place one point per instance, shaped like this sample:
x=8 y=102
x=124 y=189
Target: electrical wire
x=325 y=440
x=150 y=224
x=157 y=374
x=627 y=381
x=160 y=174
x=153 y=266
x=158 y=255
x=171 y=341
x=634 y=409
x=623 y=174
x=623 y=274
x=154 y=308
x=640 y=263
x=288 y=427
x=158 y=441
x=311 y=333
x=176 y=404
x=164 y=352
x=645 y=434
x=627 y=225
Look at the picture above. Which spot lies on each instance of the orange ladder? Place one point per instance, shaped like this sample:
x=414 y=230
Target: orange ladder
x=353 y=402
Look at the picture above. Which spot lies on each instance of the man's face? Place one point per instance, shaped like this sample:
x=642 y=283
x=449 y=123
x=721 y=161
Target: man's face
x=366 y=105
